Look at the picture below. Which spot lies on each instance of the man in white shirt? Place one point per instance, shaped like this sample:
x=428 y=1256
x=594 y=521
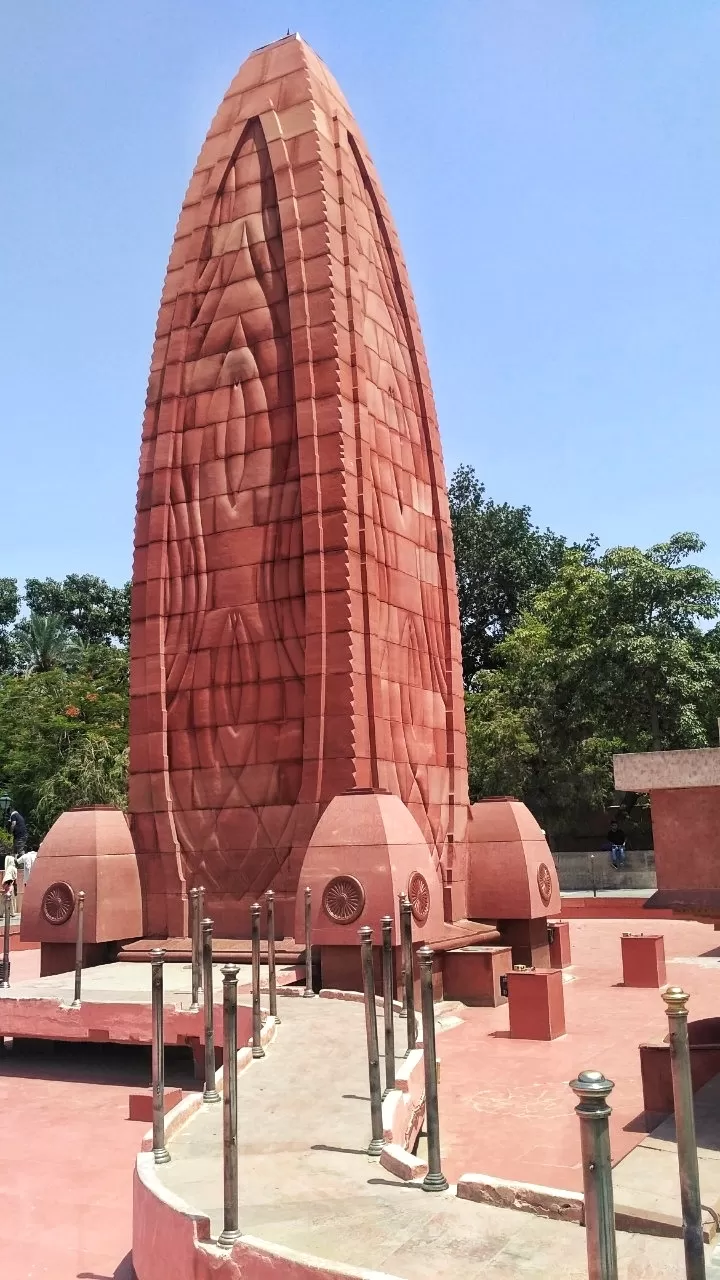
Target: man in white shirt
x=26 y=861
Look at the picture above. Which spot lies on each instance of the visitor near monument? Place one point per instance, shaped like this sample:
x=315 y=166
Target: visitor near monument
x=27 y=861
x=617 y=841
x=18 y=830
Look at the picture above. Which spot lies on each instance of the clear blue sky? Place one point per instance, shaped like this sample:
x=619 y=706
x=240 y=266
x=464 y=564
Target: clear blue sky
x=554 y=171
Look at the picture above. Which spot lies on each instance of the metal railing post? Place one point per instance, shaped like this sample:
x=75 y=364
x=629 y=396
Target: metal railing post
x=231 y=1230
x=676 y=1004
x=257 y=1049
x=200 y=912
x=388 y=1012
x=160 y=1151
x=79 y=951
x=592 y=1088
x=272 y=974
x=373 y=1049
x=308 y=993
x=407 y=954
x=592 y=875
x=210 y=1093
x=7 y=910
x=403 y=993
x=434 y=1179
x=195 y=958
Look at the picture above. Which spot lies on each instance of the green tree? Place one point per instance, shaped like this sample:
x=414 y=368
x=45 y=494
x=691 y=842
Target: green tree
x=64 y=735
x=609 y=657
x=502 y=559
x=43 y=642
x=9 y=608
x=97 y=612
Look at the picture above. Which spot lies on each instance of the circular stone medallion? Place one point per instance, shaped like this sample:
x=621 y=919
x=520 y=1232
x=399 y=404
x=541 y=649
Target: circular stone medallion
x=58 y=902
x=544 y=880
x=343 y=899
x=419 y=895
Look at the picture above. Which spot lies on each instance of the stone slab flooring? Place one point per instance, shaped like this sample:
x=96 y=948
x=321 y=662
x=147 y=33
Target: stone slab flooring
x=306 y=1182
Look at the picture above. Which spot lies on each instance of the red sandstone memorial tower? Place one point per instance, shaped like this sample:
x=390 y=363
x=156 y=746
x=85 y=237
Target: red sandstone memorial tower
x=295 y=639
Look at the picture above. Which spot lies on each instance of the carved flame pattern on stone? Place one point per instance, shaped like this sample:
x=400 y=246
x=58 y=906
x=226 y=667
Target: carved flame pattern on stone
x=295 y=627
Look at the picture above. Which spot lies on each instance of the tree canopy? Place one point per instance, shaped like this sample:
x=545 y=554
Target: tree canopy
x=611 y=656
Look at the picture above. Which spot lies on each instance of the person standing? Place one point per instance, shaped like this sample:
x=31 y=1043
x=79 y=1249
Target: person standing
x=18 y=830
x=26 y=861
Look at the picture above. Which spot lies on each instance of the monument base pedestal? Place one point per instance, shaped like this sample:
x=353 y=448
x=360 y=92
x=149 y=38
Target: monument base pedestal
x=536 y=1004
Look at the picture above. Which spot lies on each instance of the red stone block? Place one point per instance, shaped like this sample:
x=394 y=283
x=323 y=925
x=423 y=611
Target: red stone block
x=559 y=939
x=472 y=974
x=643 y=959
x=140 y=1103
x=536 y=1004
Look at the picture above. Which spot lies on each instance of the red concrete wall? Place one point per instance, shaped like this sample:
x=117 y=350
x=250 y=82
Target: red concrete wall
x=295 y=625
x=686 y=836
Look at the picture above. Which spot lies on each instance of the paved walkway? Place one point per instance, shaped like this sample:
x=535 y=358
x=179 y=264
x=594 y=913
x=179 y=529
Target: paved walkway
x=505 y=1104
x=67 y=1152
x=306 y=1182
x=124 y=983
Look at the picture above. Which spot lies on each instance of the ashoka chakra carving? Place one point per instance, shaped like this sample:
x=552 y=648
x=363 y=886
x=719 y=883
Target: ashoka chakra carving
x=545 y=884
x=58 y=902
x=419 y=895
x=343 y=899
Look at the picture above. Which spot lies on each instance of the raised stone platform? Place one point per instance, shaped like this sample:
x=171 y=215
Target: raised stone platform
x=116 y=1006
x=312 y=1202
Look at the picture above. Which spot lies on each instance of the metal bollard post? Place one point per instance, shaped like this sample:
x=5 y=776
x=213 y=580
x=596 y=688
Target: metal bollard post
x=210 y=1093
x=592 y=1088
x=160 y=1151
x=388 y=1013
x=198 y=929
x=403 y=996
x=592 y=875
x=231 y=1231
x=407 y=954
x=308 y=993
x=194 y=943
x=376 y=1120
x=676 y=1003
x=257 y=1049
x=79 y=951
x=272 y=975
x=7 y=908
x=434 y=1179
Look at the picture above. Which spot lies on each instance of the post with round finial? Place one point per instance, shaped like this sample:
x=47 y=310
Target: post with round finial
x=77 y=997
x=257 y=1048
x=592 y=1088
x=199 y=913
x=373 y=1048
x=160 y=1152
x=676 y=1004
x=210 y=1093
x=195 y=957
x=407 y=960
x=272 y=972
x=308 y=993
x=434 y=1179
x=388 y=994
x=7 y=910
x=231 y=1229
x=403 y=994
